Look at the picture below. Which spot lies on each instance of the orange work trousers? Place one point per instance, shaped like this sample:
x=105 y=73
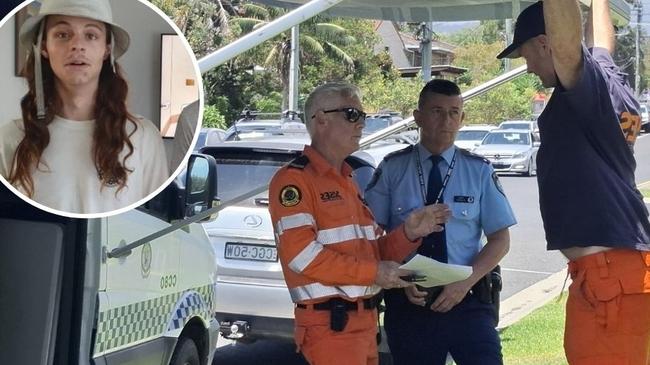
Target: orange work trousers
x=608 y=309
x=355 y=345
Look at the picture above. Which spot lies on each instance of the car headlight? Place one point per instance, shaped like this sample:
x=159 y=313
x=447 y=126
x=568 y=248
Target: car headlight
x=519 y=155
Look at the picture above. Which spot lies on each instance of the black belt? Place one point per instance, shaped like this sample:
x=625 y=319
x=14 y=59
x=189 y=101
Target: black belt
x=369 y=303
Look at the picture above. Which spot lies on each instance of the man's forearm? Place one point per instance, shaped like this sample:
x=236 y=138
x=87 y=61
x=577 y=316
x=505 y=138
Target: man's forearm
x=599 y=30
x=564 y=31
x=496 y=248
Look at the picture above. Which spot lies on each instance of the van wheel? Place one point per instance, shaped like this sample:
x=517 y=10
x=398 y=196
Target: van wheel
x=185 y=353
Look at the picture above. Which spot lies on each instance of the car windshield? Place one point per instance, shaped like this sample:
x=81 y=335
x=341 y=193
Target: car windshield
x=515 y=126
x=375 y=124
x=470 y=135
x=507 y=138
x=239 y=173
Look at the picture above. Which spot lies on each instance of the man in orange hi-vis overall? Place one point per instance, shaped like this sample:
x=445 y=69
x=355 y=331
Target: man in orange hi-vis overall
x=330 y=247
x=591 y=208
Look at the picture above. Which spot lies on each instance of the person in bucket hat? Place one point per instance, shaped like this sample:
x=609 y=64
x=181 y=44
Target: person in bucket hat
x=590 y=206
x=77 y=148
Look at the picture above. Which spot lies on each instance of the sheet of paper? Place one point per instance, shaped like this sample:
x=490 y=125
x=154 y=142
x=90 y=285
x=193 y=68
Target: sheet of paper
x=437 y=273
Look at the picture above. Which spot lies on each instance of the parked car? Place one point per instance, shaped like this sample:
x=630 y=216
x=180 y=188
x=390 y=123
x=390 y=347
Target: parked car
x=209 y=136
x=530 y=125
x=263 y=128
x=253 y=295
x=470 y=136
x=377 y=122
x=511 y=150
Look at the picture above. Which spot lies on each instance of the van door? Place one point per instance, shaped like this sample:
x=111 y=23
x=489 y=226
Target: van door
x=133 y=315
x=46 y=314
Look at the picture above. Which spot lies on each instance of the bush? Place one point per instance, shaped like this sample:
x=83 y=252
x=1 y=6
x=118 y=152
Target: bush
x=212 y=118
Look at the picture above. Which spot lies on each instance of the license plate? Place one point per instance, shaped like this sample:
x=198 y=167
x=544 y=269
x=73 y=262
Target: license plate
x=250 y=252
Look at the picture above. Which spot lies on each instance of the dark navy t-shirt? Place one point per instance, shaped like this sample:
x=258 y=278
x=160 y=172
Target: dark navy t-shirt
x=585 y=166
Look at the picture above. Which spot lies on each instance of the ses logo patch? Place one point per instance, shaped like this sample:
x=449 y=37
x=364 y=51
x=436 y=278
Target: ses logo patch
x=329 y=196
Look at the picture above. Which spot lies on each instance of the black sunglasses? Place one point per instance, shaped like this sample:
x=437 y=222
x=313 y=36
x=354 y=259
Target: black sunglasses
x=351 y=114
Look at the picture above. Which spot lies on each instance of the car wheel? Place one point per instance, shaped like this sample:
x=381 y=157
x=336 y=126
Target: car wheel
x=185 y=353
x=530 y=171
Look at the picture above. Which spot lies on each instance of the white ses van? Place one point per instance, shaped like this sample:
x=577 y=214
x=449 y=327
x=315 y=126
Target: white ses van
x=76 y=291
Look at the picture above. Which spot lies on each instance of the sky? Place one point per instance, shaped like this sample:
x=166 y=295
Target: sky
x=451 y=27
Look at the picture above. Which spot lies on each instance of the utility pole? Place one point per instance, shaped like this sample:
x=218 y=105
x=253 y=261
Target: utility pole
x=510 y=25
x=425 y=50
x=508 y=37
x=637 y=57
x=294 y=69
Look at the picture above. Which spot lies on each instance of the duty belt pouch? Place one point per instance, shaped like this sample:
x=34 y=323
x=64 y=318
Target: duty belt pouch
x=482 y=290
x=338 y=316
x=432 y=294
x=497 y=284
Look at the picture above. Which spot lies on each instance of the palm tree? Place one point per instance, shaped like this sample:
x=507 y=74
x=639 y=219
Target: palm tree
x=205 y=23
x=318 y=38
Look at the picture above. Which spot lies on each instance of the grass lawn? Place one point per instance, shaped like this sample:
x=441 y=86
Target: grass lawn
x=537 y=338
x=645 y=192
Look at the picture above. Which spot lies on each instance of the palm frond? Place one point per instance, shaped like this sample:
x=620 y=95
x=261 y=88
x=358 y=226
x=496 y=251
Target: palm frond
x=311 y=45
x=339 y=54
x=256 y=11
x=223 y=18
x=275 y=12
x=271 y=58
x=347 y=40
x=259 y=25
x=247 y=24
x=330 y=30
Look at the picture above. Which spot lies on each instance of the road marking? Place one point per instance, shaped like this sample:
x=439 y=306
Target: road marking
x=528 y=271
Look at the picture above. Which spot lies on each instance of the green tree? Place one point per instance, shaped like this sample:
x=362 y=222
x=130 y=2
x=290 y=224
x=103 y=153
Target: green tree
x=212 y=118
x=318 y=38
x=512 y=100
x=625 y=55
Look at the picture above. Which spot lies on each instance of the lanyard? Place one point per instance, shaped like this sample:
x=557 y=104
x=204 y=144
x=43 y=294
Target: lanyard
x=423 y=189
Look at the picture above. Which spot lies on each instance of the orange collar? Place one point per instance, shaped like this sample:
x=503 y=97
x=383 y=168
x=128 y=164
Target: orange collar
x=321 y=165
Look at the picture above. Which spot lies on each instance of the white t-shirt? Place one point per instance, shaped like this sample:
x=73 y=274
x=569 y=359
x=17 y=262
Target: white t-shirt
x=67 y=179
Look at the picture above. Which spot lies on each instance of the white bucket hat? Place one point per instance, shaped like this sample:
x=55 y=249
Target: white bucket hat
x=31 y=33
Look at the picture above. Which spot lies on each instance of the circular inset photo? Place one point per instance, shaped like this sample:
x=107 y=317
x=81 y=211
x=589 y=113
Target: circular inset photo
x=100 y=104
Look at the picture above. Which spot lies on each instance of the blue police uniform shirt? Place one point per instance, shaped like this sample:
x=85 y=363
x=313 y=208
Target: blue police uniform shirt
x=473 y=193
x=585 y=168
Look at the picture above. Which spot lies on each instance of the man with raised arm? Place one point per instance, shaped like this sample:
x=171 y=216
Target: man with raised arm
x=591 y=208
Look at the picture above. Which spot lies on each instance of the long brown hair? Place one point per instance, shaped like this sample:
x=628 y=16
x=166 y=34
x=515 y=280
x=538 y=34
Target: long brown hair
x=109 y=137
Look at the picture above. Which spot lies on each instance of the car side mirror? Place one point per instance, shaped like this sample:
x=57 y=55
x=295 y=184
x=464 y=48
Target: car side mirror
x=200 y=184
x=476 y=144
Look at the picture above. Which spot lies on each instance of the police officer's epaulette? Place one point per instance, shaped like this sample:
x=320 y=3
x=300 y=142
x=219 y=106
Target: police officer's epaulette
x=403 y=151
x=473 y=155
x=299 y=162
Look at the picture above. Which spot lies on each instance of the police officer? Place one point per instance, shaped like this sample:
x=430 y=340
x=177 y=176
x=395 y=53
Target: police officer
x=330 y=248
x=423 y=326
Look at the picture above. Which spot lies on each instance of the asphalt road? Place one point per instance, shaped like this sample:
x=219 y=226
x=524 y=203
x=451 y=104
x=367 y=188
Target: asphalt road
x=527 y=263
